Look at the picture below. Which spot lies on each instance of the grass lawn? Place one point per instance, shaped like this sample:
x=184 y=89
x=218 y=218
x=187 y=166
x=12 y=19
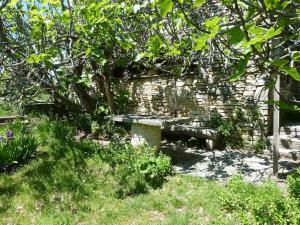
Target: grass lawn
x=68 y=183
x=77 y=190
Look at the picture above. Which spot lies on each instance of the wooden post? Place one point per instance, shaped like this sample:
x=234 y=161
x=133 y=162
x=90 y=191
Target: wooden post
x=276 y=127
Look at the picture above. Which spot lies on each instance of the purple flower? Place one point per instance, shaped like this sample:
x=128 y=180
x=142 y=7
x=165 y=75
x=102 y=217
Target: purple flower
x=1 y=138
x=9 y=134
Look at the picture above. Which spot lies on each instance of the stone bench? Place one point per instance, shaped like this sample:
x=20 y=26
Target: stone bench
x=210 y=135
x=147 y=128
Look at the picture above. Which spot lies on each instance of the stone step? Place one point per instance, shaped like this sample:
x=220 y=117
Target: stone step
x=287 y=142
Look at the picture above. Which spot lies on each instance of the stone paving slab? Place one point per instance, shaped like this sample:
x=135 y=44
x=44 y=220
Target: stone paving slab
x=223 y=164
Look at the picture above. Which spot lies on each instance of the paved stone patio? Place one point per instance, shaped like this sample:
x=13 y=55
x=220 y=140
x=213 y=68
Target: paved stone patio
x=221 y=165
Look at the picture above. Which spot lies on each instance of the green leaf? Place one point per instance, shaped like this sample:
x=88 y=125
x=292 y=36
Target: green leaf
x=282 y=64
x=236 y=35
x=165 y=7
x=272 y=33
x=296 y=56
x=88 y=51
x=54 y=2
x=272 y=4
x=198 y=3
x=201 y=42
x=212 y=23
x=33 y=59
x=284 y=105
x=173 y=51
x=240 y=69
x=262 y=35
x=291 y=71
x=139 y=56
x=154 y=44
x=258 y=30
x=13 y=3
x=279 y=62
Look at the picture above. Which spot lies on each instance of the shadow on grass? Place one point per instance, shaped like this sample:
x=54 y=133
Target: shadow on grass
x=50 y=175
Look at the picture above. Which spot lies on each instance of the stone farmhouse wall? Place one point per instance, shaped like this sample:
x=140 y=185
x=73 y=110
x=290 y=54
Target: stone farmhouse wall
x=197 y=97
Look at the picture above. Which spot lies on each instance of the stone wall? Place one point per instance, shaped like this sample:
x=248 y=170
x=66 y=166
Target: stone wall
x=197 y=97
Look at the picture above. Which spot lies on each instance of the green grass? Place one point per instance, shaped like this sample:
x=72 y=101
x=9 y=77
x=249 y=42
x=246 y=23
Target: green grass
x=76 y=189
x=71 y=183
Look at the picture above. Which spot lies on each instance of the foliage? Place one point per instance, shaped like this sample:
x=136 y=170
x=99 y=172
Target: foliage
x=19 y=128
x=136 y=167
x=260 y=145
x=107 y=129
x=228 y=130
x=88 y=183
x=48 y=131
x=58 y=46
x=264 y=204
x=17 y=144
x=294 y=184
x=81 y=121
x=232 y=128
x=18 y=150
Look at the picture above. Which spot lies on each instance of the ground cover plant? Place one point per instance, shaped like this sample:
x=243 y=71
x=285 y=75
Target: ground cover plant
x=81 y=182
x=17 y=145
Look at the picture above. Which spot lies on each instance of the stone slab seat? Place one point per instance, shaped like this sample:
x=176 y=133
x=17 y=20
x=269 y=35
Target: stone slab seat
x=210 y=135
x=147 y=128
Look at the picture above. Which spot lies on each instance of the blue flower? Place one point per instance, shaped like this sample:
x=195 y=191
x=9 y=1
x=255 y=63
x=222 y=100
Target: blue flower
x=10 y=134
x=1 y=138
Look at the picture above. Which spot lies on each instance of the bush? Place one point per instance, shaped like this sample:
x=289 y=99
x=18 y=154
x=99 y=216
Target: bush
x=87 y=147
x=264 y=204
x=136 y=167
x=18 y=150
x=293 y=182
x=106 y=129
x=228 y=130
x=260 y=145
x=82 y=122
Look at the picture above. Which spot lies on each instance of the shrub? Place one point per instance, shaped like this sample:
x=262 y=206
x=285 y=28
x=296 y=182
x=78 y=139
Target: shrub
x=263 y=204
x=228 y=130
x=18 y=150
x=240 y=122
x=95 y=128
x=260 y=145
x=106 y=129
x=136 y=166
x=293 y=182
x=82 y=122
x=87 y=147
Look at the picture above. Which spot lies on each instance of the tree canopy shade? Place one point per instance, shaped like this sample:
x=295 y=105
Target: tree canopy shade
x=71 y=49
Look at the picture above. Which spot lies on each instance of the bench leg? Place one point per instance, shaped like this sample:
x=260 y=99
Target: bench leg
x=141 y=133
x=210 y=144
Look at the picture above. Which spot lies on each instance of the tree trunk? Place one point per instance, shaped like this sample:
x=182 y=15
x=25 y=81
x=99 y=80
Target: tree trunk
x=87 y=101
x=109 y=95
x=104 y=84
